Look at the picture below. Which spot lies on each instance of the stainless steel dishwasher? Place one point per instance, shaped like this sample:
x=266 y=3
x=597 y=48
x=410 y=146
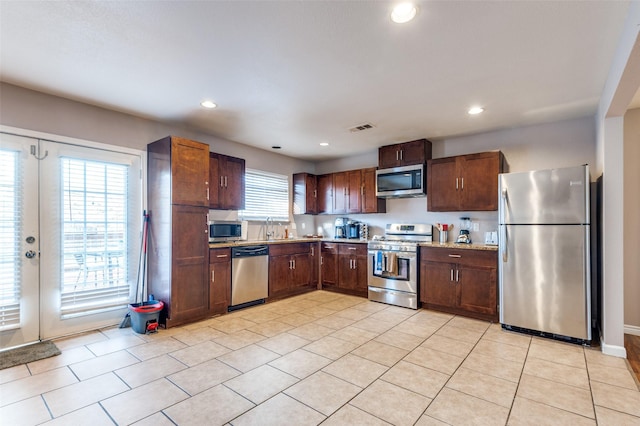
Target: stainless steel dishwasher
x=249 y=275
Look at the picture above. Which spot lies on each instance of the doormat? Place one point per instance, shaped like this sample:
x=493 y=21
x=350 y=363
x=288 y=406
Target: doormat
x=27 y=354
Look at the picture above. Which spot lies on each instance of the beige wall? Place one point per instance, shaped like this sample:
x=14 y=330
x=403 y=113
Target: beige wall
x=631 y=220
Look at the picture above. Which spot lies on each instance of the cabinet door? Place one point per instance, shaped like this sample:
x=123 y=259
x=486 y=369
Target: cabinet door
x=340 y=185
x=415 y=152
x=190 y=263
x=314 y=257
x=347 y=273
x=189 y=172
x=369 y=202
x=220 y=280
x=329 y=265
x=360 y=264
x=442 y=192
x=436 y=286
x=479 y=181
x=354 y=190
x=389 y=156
x=279 y=270
x=325 y=194
x=301 y=272
x=214 y=181
x=305 y=193
x=477 y=289
x=233 y=183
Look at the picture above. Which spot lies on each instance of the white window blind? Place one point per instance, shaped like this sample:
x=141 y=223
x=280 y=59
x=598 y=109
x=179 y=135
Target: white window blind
x=94 y=236
x=266 y=195
x=11 y=190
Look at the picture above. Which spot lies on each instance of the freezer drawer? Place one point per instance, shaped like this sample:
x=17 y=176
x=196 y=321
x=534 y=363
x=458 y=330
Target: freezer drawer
x=545 y=279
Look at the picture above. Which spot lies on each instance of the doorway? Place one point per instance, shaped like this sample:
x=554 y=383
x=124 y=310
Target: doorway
x=70 y=217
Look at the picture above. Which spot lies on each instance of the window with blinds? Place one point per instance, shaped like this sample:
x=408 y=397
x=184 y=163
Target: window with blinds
x=94 y=236
x=11 y=190
x=266 y=195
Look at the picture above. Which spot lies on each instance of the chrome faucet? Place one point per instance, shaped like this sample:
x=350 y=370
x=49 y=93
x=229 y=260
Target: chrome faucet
x=269 y=233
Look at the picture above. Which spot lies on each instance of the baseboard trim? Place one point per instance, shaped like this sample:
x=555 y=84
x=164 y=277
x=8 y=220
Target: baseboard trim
x=632 y=329
x=613 y=350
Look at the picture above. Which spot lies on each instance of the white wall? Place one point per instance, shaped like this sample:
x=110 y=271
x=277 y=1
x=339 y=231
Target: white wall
x=561 y=144
x=631 y=220
x=31 y=110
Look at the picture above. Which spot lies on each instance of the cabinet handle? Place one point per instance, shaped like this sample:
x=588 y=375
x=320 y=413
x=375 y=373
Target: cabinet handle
x=226 y=181
x=315 y=193
x=207 y=193
x=462 y=183
x=221 y=181
x=456 y=184
x=213 y=276
x=321 y=260
x=457 y=275
x=222 y=255
x=397 y=155
x=451 y=279
x=313 y=251
x=355 y=263
x=401 y=155
x=351 y=248
x=455 y=255
x=362 y=190
x=290 y=264
x=294 y=263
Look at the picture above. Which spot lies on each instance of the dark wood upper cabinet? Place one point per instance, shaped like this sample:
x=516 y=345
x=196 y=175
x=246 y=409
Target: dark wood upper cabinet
x=404 y=154
x=305 y=193
x=325 y=193
x=464 y=183
x=369 y=202
x=189 y=171
x=226 y=175
x=178 y=245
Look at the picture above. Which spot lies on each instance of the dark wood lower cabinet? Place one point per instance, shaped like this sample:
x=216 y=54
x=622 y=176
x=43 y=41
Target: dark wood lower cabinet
x=290 y=269
x=220 y=280
x=462 y=282
x=344 y=267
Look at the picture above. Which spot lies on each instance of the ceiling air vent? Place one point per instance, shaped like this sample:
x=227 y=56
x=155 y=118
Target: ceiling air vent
x=361 y=127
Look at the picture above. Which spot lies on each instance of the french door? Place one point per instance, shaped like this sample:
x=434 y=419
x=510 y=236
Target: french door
x=68 y=253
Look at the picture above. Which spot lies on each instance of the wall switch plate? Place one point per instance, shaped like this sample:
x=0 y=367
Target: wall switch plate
x=491 y=238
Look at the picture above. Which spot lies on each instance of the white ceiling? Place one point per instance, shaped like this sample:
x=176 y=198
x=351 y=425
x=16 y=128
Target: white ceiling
x=297 y=73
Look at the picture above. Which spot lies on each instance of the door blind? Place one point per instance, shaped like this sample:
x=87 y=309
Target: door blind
x=94 y=236
x=11 y=190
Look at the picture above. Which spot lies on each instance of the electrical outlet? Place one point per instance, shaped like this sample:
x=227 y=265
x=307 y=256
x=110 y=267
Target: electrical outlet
x=476 y=226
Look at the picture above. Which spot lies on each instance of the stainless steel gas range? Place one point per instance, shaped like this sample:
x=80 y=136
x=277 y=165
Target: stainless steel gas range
x=393 y=264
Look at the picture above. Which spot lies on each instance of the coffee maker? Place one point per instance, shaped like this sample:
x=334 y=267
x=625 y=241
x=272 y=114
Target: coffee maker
x=341 y=227
x=353 y=229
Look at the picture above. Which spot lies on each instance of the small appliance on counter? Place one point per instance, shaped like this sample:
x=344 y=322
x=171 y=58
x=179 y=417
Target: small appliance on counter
x=341 y=227
x=465 y=227
x=353 y=229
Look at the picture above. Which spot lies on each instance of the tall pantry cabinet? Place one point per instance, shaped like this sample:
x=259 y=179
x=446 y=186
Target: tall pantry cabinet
x=178 y=243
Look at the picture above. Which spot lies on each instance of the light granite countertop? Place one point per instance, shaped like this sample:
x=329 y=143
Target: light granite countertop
x=344 y=240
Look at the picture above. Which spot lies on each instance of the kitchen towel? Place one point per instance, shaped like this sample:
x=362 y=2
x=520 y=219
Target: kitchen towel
x=392 y=264
x=377 y=270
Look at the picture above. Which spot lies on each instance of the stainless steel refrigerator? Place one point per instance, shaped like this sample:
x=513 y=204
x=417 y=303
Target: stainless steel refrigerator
x=544 y=242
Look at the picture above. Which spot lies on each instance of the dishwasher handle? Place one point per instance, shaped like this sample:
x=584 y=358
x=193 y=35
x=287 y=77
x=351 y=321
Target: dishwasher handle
x=249 y=251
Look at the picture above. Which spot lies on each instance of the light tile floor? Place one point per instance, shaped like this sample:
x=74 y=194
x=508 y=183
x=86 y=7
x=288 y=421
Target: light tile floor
x=321 y=358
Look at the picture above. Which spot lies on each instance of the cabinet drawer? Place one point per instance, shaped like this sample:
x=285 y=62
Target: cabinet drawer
x=289 y=248
x=357 y=249
x=219 y=255
x=329 y=248
x=462 y=256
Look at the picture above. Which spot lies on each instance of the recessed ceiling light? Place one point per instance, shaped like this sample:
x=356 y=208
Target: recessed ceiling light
x=475 y=110
x=403 y=12
x=324 y=143
x=208 y=104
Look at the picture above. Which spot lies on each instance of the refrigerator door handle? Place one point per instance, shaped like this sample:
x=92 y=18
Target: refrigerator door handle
x=503 y=245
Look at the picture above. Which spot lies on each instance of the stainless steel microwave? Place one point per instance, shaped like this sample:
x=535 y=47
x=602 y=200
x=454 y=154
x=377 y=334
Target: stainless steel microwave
x=227 y=230
x=398 y=182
